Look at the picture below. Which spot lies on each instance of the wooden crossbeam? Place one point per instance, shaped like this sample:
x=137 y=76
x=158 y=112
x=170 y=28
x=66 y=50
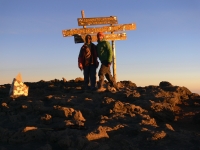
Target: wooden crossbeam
x=108 y=37
x=115 y=28
x=97 y=21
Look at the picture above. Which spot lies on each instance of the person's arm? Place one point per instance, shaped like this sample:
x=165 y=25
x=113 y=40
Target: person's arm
x=96 y=55
x=96 y=50
x=80 y=59
x=109 y=53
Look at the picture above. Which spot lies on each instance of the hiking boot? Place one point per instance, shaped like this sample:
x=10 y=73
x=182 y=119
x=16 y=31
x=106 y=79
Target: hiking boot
x=86 y=88
x=93 y=89
x=116 y=87
x=101 y=89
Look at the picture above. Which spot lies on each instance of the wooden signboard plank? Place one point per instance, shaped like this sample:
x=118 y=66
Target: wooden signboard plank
x=115 y=28
x=108 y=37
x=97 y=21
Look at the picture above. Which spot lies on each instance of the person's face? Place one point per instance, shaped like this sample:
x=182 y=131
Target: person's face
x=88 y=39
x=100 y=37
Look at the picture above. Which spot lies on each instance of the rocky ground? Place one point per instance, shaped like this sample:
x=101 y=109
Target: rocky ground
x=59 y=114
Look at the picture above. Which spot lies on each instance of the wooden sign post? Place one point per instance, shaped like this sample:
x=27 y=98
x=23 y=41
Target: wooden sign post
x=80 y=33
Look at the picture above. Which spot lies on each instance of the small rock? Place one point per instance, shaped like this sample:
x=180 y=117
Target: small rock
x=64 y=80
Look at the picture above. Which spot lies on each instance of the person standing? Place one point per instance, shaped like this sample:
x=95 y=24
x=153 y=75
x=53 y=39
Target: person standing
x=104 y=53
x=87 y=61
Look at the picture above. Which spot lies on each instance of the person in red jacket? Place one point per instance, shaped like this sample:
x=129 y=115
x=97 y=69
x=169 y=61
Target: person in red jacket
x=87 y=61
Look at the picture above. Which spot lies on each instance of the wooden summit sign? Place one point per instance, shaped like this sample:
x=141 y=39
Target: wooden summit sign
x=108 y=37
x=97 y=21
x=113 y=28
x=80 y=33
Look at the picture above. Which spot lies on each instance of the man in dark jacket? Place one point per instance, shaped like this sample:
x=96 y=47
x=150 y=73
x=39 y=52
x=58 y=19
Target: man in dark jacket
x=87 y=61
x=104 y=53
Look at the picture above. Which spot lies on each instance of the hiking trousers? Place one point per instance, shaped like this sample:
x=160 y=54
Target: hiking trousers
x=105 y=71
x=89 y=73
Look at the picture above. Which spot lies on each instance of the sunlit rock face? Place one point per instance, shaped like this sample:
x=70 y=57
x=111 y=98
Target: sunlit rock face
x=60 y=114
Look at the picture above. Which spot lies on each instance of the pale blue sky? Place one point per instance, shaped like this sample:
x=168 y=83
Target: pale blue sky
x=165 y=46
